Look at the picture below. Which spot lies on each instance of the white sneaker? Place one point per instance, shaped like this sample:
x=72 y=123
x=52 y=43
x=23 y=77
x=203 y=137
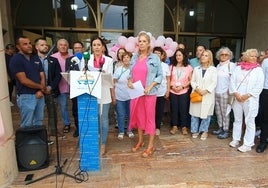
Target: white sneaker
x=234 y=143
x=11 y=104
x=130 y=134
x=244 y=148
x=120 y=136
x=157 y=132
x=195 y=135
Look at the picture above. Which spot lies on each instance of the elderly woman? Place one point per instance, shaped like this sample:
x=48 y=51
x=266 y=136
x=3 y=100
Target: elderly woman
x=204 y=80
x=246 y=85
x=224 y=72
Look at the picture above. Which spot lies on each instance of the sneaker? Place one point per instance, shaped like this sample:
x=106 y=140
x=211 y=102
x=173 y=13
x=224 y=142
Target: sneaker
x=157 y=132
x=234 y=143
x=174 y=130
x=50 y=142
x=184 y=130
x=223 y=135
x=11 y=104
x=76 y=134
x=120 y=136
x=217 y=132
x=204 y=136
x=130 y=134
x=258 y=133
x=244 y=148
x=195 y=135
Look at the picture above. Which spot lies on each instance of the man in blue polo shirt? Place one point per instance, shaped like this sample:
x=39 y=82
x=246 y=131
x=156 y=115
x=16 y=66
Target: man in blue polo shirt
x=30 y=83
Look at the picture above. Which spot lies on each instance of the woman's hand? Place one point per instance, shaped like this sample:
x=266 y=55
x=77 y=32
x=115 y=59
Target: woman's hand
x=130 y=85
x=238 y=97
x=177 y=88
x=147 y=90
x=245 y=97
x=166 y=96
x=203 y=92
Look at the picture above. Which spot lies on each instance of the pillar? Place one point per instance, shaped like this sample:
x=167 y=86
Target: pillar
x=8 y=162
x=149 y=16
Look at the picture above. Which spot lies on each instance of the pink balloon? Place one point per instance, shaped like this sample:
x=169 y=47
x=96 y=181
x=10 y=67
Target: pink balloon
x=169 y=52
x=130 y=47
x=131 y=40
x=159 y=43
x=161 y=38
x=168 y=41
x=115 y=48
x=113 y=55
x=173 y=46
x=122 y=40
x=152 y=45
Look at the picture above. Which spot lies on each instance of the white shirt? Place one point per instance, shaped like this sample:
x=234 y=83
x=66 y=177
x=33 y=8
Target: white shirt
x=163 y=85
x=224 y=72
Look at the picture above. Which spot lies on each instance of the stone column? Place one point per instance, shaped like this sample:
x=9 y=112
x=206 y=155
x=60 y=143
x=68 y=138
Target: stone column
x=149 y=17
x=8 y=162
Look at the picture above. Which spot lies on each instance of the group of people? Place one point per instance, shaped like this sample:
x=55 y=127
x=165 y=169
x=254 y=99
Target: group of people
x=39 y=82
x=242 y=80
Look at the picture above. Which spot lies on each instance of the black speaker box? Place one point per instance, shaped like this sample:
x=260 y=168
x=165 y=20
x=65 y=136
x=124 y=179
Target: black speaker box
x=32 y=148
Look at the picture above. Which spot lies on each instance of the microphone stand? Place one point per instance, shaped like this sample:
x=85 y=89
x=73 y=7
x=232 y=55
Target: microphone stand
x=58 y=170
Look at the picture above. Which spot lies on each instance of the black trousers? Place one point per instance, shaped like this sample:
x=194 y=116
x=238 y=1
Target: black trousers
x=263 y=115
x=159 y=112
x=51 y=103
x=179 y=105
x=75 y=111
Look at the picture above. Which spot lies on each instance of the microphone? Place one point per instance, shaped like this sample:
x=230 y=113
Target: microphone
x=101 y=62
x=86 y=57
x=50 y=51
x=77 y=58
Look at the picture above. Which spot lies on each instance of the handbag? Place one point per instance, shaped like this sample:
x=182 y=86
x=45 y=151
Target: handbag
x=231 y=99
x=195 y=97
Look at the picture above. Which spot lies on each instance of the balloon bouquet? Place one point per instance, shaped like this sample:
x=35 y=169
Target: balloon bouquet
x=130 y=44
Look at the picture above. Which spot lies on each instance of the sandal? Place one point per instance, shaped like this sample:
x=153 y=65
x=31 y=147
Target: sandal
x=137 y=146
x=148 y=152
x=66 y=129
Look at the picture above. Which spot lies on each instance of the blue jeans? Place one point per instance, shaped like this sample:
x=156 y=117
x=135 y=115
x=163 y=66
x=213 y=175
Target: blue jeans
x=195 y=122
x=31 y=110
x=62 y=100
x=122 y=111
x=104 y=121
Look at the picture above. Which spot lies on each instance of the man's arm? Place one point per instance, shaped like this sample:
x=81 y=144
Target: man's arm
x=21 y=76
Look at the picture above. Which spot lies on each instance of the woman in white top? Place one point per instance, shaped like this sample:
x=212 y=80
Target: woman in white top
x=246 y=85
x=105 y=64
x=163 y=90
x=224 y=72
x=120 y=79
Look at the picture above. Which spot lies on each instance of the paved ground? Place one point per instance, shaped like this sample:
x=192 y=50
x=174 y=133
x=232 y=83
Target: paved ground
x=179 y=161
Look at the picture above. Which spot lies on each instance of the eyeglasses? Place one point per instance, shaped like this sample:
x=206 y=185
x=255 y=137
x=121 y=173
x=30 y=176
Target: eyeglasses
x=224 y=54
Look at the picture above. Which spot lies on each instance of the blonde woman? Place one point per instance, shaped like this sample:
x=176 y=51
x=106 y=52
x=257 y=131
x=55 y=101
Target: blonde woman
x=246 y=85
x=145 y=67
x=204 y=80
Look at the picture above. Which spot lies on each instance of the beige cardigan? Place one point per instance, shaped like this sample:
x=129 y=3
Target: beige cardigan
x=208 y=82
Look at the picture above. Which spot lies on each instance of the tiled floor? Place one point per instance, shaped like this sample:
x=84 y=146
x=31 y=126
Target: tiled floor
x=179 y=161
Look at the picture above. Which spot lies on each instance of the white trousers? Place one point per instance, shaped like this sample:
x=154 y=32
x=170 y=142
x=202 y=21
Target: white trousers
x=250 y=112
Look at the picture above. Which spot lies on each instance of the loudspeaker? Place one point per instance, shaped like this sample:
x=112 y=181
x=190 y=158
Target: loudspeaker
x=32 y=148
